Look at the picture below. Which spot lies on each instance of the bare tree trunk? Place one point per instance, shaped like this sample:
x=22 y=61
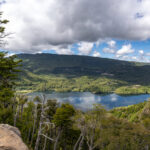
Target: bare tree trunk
x=22 y=106
x=90 y=146
x=81 y=143
x=50 y=135
x=35 y=117
x=40 y=125
x=57 y=138
x=45 y=142
x=16 y=116
x=28 y=138
x=146 y=147
x=76 y=145
x=14 y=105
x=32 y=133
x=38 y=136
x=90 y=140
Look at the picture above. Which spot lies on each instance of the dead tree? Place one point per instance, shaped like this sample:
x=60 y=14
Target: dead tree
x=44 y=121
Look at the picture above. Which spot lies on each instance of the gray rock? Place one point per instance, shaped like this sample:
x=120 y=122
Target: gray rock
x=10 y=138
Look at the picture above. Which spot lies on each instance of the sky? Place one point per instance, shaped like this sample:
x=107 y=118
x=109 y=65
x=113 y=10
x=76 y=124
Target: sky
x=118 y=29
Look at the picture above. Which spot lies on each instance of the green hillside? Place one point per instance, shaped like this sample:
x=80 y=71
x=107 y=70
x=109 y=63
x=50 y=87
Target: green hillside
x=139 y=113
x=46 y=122
x=83 y=73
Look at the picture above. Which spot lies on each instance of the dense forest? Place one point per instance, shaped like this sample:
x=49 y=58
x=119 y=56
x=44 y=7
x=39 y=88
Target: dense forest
x=64 y=73
x=47 y=125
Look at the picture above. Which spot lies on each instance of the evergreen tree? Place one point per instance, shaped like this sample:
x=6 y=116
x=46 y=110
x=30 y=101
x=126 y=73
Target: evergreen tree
x=8 y=74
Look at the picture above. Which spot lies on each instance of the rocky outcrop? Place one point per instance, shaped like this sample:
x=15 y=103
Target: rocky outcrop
x=10 y=138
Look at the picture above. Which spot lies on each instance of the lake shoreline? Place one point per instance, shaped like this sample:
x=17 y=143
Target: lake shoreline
x=85 y=100
x=97 y=93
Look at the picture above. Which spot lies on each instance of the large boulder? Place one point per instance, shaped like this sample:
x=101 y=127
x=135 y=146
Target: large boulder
x=10 y=138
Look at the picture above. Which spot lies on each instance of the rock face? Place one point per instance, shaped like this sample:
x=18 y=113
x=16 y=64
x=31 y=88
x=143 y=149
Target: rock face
x=10 y=138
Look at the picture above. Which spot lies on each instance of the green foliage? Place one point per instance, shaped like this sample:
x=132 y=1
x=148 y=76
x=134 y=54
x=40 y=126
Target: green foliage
x=6 y=115
x=64 y=84
x=63 y=115
x=120 y=134
x=135 y=89
x=121 y=128
x=124 y=128
x=53 y=105
x=146 y=111
x=90 y=125
x=131 y=113
x=2 y=29
x=8 y=73
x=75 y=66
x=83 y=73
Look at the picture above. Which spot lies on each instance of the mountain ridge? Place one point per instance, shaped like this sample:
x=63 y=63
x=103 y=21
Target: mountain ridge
x=73 y=68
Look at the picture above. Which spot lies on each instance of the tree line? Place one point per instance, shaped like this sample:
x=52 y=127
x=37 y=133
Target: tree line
x=47 y=125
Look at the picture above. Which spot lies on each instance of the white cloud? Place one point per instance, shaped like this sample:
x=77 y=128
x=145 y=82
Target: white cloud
x=85 y=48
x=99 y=42
x=141 y=52
x=111 y=47
x=124 y=57
x=96 y=54
x=62 y=50
x=129 y=58
x=111 y=43
x=121 y=53
x=134 y=58
x=39 y=25
x=143 y=57
x=108 y=50
x=125 y=50
x=10 y=54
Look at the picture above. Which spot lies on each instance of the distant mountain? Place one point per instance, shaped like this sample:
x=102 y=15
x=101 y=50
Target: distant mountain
x=76 y=66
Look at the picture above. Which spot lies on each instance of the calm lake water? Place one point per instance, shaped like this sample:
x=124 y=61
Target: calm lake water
x=85 y=100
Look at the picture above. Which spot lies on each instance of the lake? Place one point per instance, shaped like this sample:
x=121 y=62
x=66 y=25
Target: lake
x=85 y=100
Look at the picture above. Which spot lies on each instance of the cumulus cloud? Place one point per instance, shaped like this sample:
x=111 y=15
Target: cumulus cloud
x=141 y=57
x=134 y=58
x=96 y=54
x=125 y=50
x=62 y=49
x=141 y=52
x=39 y=25
x=111 y=43
x=108 y=50
x=85 y=48
x=111 y=47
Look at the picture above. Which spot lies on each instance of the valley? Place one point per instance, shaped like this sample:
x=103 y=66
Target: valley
x=71 y=73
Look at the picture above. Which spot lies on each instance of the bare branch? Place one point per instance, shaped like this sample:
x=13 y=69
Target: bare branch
x=47 y=137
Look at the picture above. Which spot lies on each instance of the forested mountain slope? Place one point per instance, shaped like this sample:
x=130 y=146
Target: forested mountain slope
x=39 y=67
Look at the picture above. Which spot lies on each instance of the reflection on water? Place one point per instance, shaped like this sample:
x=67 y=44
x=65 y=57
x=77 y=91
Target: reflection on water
x=85 y=100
